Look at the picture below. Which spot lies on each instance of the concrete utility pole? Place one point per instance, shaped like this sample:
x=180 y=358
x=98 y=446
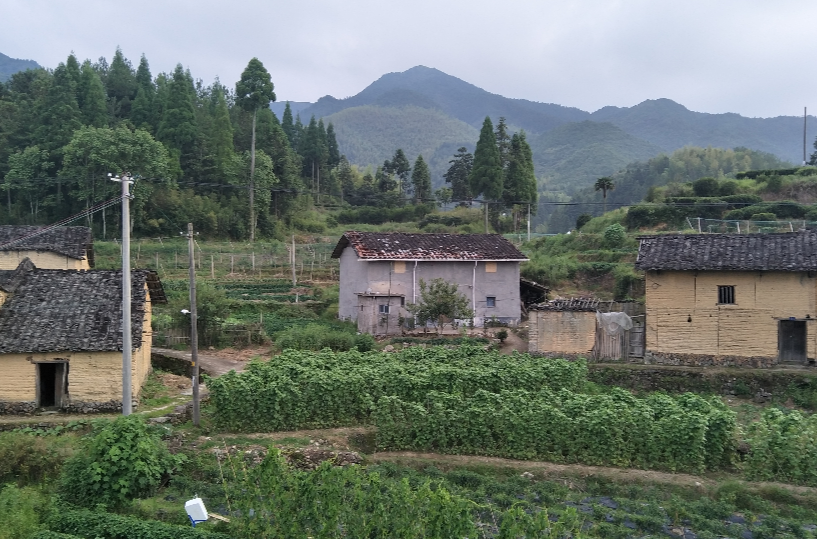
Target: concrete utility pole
x=127 y=339
x=194 y=331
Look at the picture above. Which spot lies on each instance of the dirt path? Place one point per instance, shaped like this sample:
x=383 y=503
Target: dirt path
x=217 y=362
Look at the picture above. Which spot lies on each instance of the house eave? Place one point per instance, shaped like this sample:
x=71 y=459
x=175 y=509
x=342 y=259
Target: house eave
x=442 y=259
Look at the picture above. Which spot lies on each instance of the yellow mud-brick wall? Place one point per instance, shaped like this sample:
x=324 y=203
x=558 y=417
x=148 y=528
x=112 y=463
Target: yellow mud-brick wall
x=684 y=317
x=2 y=298
x=562 y=331
x=9 y=260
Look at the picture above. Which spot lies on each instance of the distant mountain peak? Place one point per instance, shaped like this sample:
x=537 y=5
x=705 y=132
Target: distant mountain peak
x=9 y=66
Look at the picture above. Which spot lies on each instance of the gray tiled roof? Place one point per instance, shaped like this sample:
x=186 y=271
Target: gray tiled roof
x=64 y=310
x=793 y=251
x=400 y=246
x=71 y=241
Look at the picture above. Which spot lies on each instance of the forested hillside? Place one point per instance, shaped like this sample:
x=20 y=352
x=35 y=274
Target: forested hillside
x=10 y=66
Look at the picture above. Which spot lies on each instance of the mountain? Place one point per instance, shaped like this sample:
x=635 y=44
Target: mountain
x=297 y=106
x=642 y=131
x=9 y=66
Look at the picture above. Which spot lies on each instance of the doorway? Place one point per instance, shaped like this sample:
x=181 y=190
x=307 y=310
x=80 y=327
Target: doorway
x=791 y=340
x=52 y=384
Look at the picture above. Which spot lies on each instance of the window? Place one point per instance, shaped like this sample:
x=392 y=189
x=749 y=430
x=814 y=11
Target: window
x=384 y=309
x=490 y=301
x=490 y=267
x=726 y=295
x=400 y=267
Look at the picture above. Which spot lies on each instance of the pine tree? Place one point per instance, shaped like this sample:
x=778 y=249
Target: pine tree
x=59 y=114
x=289 y=126
x=486 y=176
x=178 y=128
x=346 y=179
x=503 y=143
x=220 y=139
x=333 y=151
x=73 y=70
x=253 y=91
x=400 y=167
x=520 y=180
x=121 y=84
x=94 y=104
x=143 y=108
x=458 y=175
x=384 y=180
x=421 y=180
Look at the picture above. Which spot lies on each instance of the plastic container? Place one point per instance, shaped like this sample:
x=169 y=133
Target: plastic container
x=196 y=510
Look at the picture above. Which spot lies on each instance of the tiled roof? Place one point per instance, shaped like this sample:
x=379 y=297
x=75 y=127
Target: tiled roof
x=572 y=304
x=71 y=241
x=793 y=251
x=399 y=246
x=65 y=310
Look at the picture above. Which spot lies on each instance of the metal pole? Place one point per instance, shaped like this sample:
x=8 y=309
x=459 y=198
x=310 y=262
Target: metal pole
x=194 y=333
x=294 y=280
x=528 y=222
x=127 y=339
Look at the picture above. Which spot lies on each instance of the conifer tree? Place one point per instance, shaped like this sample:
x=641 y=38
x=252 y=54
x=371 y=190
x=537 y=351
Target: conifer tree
x=458 y=175
x=298 y=133
x=253 y=91
x=288 y=125
x=333 y=152
x=178 y=128
x=142 y=110
x=486 y=176
x=59 y=114
x=421 y=180
x=520 y=180
x=121 y=84
x=94 y=104
x=346 y=179
x=73 y=70
x=503 y=143
x=220 y=140
x=400 y=167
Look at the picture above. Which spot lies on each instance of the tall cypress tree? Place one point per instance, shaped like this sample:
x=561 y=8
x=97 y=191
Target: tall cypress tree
x=94 y=104
x=121 y=84
x=178 y=128
x=458 y=175
x=520 y=180
x=400 y=167
x=289 y=126
x=142 y=110
x=503 y=143
x=333 y=152
x=421 y=180
x=486 y=176
x=59 y=113
x=253 y=91
x=220 y=139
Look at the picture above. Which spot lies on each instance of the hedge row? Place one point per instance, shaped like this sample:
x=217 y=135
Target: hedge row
x=676 y=433
x=783 y=447
x=301 y=389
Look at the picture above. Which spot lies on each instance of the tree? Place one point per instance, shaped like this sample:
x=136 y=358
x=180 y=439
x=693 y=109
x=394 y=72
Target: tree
x=458 y=176
x=178 y=127
x=253 y=91
x=486 y=176
x=440 y=302
x=400 y=167
x=27 y=172
x=220 y=141
x=520 y=180
x=142 y=110
x=93 y=101
x=289 y=126
x=346 y=178
x=421 y=180
x=121 y=84
x=604 y=184
x=59 y=113
x=333 y=152
x=503 y=143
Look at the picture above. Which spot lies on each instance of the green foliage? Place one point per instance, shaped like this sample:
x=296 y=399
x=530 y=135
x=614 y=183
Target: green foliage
x=782 y=447
x=582 y=220
x=486 y=175
x=85 y=523
x=329 y=389
x=763 y=217
x=336 y=502
x=614 y=235
x=377 y=216
x=317 y=337
x=502 y=334
x=440 y=302
x=21 y=511
x=706 y=187
x=255 y=89
x=119 y=461
x=676 y=433
x=28 y=459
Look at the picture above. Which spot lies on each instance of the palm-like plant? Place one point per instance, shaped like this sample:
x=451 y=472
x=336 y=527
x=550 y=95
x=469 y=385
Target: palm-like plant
x=604 y=184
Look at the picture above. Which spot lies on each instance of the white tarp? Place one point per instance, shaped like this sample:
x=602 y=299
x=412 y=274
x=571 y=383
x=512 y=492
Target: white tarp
x=614 y=323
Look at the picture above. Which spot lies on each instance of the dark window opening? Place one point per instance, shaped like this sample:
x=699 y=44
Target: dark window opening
x=384 y=309
x=726 y=295
x=490 y=301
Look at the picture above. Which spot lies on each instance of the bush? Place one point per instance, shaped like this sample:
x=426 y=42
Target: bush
x=582 y=220
x=121 y=460
x=20 y=511
x=27 y=459
x=706 y=187
x=319 y=336
x=763 y=217
x=614 y=235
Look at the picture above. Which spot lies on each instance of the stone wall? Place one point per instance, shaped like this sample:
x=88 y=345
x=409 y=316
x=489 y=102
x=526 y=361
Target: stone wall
x=557 y=333
x=707 y=360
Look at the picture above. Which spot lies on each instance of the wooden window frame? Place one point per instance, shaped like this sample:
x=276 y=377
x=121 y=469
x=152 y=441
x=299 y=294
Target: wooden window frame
x=726 y=295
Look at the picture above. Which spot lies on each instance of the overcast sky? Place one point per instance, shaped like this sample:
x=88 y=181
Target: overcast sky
x=753 y=57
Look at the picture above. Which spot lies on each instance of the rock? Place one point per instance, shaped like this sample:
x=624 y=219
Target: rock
x=527 y=475
x=762 y=396
x=388 y=348
x=162 y=419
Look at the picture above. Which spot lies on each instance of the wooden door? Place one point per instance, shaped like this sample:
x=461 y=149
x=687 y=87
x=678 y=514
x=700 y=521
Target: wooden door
x=791 y=339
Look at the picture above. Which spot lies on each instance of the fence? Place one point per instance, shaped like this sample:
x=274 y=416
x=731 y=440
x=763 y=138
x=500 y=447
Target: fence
x=722 y=226
x=169 y=257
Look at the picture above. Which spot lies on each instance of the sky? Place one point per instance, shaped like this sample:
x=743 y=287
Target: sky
x=752 y=57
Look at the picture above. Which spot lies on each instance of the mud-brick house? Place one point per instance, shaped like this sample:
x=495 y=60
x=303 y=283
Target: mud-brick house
x=61 y=337
x=67 y=247
x=730 y=299
x=380 y=273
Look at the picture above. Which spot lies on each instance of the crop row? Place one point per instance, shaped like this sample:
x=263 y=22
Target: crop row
x=301 y=389
x=677 y=433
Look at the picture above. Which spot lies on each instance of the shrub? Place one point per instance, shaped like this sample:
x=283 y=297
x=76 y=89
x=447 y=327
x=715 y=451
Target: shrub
x=319 y=336
x=87 y=523
x=614 y=235
x=119 y=461
x=27 y=459
x=582 y=220
x=20 y=510
x=763 y=217
x=706 y=187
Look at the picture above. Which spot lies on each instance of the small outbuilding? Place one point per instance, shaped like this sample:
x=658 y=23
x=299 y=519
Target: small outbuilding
x=65 y=247
x=61 y=337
